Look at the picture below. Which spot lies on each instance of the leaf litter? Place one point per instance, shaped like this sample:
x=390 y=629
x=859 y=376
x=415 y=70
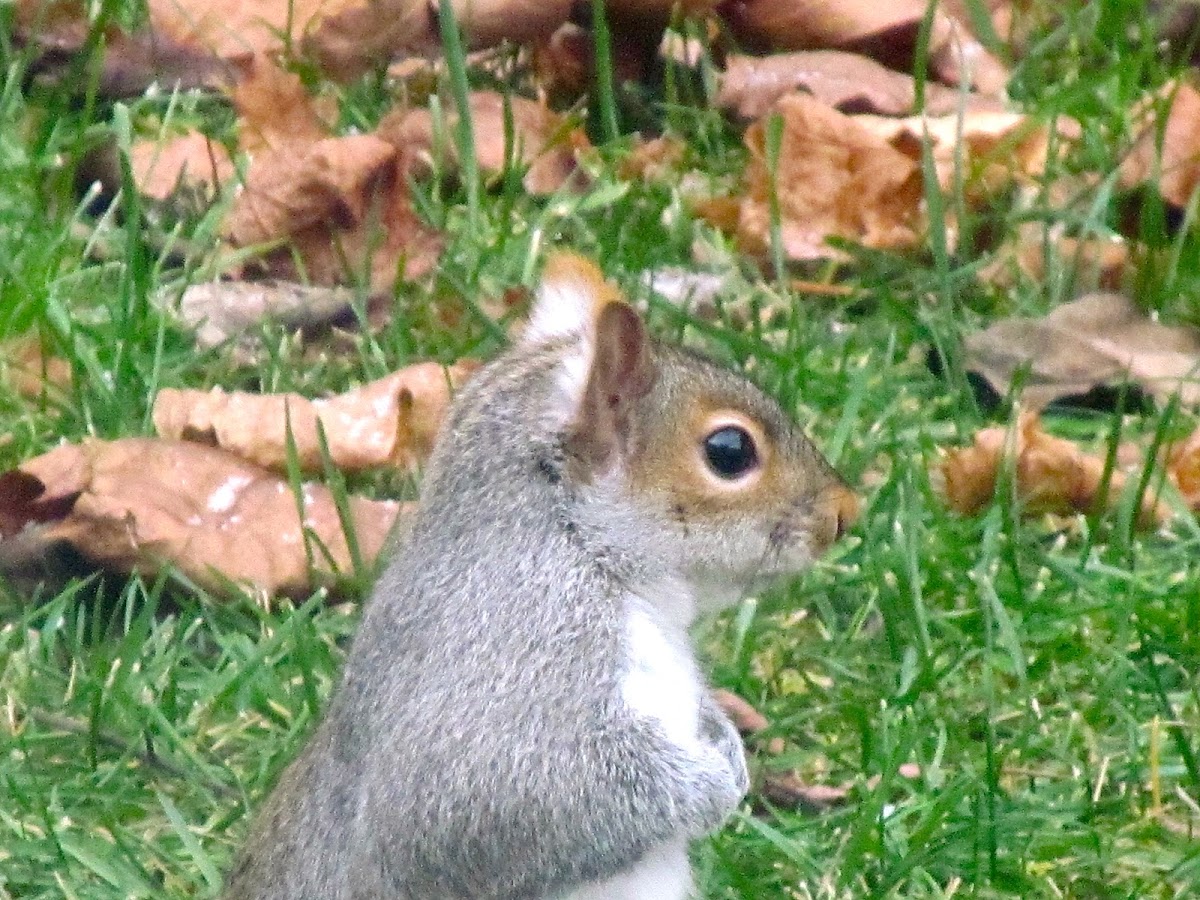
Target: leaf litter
x=331 y=209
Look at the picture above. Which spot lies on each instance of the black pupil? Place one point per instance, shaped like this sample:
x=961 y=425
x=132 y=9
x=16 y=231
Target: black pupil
x=730 y=451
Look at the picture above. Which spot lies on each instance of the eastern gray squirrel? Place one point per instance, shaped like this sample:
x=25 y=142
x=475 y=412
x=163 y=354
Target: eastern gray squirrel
x=521 y=716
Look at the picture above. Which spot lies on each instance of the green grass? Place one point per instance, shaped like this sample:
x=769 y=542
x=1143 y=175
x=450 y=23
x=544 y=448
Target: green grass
x=1043 y=676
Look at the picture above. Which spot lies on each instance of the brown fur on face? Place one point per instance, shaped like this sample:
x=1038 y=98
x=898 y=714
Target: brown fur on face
x=792 y=488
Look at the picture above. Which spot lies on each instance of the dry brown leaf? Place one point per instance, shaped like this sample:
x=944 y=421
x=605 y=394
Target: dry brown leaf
x=1183 y=469
x=812 y=24
x=1050 y=475
x=657 y=13
x=221 y=311
x=834 y=178
x=342 y=208
x=562 y=64
x=957 y=57
x=345 y=38
x=191 y=161
x=335 y=181
x=241 y=29
x=657 y=159
x=1035 y=250
x=1167 y=154
x=745 y=717
x=23 y=502
x=545 y=141
x=57 y=30
x=885 y=31
x=789 y=790
x=986 y=149
x=488 y=22
x=29 y=371
x=137 y=504
x=564 y=69
x=328 y=210
x=390 y=422
x=849 y=82
x=276 y=111
x=363 y=33
x=1098 y=341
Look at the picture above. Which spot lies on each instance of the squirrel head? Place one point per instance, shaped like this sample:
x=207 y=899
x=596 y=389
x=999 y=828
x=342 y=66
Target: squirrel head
x=671 y=452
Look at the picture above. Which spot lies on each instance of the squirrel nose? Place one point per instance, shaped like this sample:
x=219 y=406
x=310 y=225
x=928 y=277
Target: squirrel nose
x=844 y=506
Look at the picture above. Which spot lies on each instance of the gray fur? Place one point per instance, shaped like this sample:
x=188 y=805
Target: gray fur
x=478 y=747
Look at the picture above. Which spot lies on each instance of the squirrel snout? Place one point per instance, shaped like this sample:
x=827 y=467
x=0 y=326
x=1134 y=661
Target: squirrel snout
x=841 y=507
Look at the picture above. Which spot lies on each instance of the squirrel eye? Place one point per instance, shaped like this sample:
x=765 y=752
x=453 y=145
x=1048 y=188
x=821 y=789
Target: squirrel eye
x=730 y=452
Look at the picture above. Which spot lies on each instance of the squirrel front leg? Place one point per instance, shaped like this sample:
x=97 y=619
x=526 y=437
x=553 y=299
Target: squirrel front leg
x=717 y=730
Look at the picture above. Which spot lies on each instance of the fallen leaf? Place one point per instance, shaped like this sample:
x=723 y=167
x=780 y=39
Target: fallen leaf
x=276 y=111
x=335 y=181
x=657 y=159
x=848 y=82
x=57 y=31
x=745 y=717
x=30 y=371
x=390 y=244
x=222 y=311
x=190 y=161
x=1050 y=475
x=657 y=13
x=138 y=504
x=1183 y=469
x=788 y=790
x=486 y=23
x=324 y=210
x=1015 y=22
x=834 y=179
x=562 y=64
x=1166 y=153
x=23 y=503
x=344 y=37
x=957 y=57
x=362 y=34
x=342 y=211
x=390 y=422
x=545 y=142
x=1099 y=341
x=1040 y=253
x=984 y=149
x=887 y=32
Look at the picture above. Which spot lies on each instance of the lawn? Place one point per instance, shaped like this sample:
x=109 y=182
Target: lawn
x=1007 y=704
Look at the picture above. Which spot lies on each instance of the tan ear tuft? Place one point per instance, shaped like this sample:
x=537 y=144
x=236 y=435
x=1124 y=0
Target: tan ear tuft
x=569 y=299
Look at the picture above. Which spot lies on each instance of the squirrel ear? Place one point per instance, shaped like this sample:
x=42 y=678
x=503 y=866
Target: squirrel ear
x=569 y=300
x=622 y=371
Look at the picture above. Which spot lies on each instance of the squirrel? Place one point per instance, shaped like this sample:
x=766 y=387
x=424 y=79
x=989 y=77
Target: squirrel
x=521 y=716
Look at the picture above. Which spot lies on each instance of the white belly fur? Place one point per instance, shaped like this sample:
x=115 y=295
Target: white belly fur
x=661 y=683
x=662 y=874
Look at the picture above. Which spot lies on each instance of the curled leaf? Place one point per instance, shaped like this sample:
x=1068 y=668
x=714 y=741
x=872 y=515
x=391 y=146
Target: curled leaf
x=1050 y=474
x=508 y=130
x=1099 y=341
x=194 y=160
x=1167 y=151
x=833 y=178
x=138 y=504
x=390 y=422
x=849 y=82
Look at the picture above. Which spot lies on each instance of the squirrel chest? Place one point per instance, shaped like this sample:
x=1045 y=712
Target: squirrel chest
x=660 y=682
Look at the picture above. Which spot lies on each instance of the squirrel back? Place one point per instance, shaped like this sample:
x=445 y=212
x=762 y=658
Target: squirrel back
x=520 y=714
